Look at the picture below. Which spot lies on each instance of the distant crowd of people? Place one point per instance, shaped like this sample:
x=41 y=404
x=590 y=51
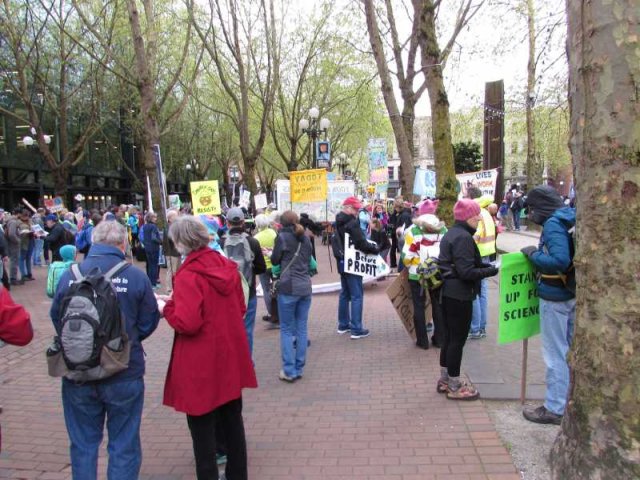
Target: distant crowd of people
x=214 y=264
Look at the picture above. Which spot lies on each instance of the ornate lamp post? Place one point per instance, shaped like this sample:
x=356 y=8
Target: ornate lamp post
x=314 y=128
x=343 y=163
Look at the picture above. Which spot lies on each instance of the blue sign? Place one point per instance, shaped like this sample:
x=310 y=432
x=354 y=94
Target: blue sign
x=424 y=184
x=323 y=154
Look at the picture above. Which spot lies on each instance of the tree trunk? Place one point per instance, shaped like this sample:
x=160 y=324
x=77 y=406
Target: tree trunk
x=60 y=175
x=600 y=436
x=533 y=169
x=403 y=144
x=446 y=182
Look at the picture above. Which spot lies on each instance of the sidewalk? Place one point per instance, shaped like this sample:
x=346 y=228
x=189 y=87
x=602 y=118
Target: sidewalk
x=365 y=409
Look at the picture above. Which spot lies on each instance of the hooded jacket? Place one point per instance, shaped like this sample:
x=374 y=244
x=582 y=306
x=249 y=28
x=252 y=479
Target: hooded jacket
x=210 y=360
x=460 y=263
x=136 y=299
x=555 y=253
x=15 y=321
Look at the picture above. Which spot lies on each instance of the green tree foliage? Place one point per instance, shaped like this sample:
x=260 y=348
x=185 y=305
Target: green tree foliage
x=467 y=157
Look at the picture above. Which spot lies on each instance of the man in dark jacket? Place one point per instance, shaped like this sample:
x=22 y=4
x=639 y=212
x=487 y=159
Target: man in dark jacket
x=401 y=218
x=351 y=295
x=120 y=396
x=56 y=238
x=13 y=246
x=553 y=259
x=235 y=221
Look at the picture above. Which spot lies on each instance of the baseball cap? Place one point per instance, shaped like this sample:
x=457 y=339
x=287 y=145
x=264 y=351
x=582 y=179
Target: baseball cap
x=235 y=215
x=52 y=217
x=352 y=202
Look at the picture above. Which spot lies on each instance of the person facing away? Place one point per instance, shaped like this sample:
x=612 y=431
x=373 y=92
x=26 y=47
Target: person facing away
x=292 y=256
x=15 y=321
x=245 y=250
x=119 y=398
x=206 y=310
x=152 y=241
x=56 y=269
x=351 y=300
x=462 y=269
x=553 y=260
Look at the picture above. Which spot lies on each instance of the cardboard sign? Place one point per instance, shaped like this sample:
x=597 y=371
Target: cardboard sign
x=54 y=204
x=205 y=198
x=519 y=316
x=308 y=185
x=399 y=292
x=362 y=264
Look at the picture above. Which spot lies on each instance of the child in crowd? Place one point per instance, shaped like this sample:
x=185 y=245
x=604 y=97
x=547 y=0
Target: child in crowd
x=56 y=269
x=379 y=235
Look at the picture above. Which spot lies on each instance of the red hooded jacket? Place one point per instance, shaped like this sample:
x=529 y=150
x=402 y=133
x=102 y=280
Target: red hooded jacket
x=210 y=361
x=15 y=322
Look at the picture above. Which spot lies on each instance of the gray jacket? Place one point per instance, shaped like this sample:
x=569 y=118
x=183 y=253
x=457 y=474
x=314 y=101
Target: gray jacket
x=296 y=279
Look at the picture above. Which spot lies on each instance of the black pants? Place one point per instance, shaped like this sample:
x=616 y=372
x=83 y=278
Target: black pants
x=393 y=262
x=438 y=321
x=418 y=295
x=457 y=320
x=228 y=419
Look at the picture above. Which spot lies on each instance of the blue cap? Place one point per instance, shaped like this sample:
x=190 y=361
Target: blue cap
x=53 y=217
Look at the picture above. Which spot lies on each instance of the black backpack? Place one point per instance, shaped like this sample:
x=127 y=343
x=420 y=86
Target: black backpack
x=337 y=244
x=93 y=341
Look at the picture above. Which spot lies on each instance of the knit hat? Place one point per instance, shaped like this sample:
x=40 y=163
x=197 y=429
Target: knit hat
x=484 y=201
x=427 y=206
x=465 y=209
x=68 y=253
x=52 y=216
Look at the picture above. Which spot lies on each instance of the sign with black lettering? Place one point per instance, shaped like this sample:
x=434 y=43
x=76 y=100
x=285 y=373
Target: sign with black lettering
x=519 y=316
x=362 y=264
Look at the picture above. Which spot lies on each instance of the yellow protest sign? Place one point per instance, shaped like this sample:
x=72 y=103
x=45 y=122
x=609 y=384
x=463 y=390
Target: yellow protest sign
x=205 y=198
x=308 y=185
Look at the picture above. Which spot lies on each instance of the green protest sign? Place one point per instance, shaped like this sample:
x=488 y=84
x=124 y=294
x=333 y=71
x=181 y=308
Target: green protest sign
x=519 y=303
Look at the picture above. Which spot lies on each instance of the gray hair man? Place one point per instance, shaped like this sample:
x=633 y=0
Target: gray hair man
x=120 y=397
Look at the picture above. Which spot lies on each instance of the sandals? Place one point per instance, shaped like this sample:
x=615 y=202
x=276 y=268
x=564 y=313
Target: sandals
x=442 y=387
x=466 y=392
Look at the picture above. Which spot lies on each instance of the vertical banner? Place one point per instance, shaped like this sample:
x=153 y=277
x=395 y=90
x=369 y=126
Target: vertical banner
x=378 y=165
x=157 y=158
x=308 y=185
x=323 y=154
x=205 y=198
x=149 y=196
x=519 y=314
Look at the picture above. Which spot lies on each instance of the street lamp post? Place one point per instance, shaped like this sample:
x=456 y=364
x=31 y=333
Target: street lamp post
x=234 y=173
x=313 y=128
x=191 y=165
x=29 y=141
x=343 y=163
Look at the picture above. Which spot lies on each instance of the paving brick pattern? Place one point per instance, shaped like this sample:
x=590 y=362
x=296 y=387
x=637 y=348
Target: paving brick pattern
x=365 y=409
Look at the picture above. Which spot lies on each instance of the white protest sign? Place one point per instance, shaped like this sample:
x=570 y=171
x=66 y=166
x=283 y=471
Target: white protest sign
x=362 y=264
x=245 y=200
x=261 y=201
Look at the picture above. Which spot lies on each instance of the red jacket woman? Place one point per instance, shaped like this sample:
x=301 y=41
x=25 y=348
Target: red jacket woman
x=210 y=362
x=15 y=322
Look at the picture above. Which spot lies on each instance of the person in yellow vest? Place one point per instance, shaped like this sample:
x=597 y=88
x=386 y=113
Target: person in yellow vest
x=485 y=238
x=266 y=236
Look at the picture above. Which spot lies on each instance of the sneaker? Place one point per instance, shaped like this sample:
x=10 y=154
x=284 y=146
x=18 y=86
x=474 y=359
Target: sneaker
x=221 y=459
x=474 y=335
x=541 y=415
x=429 y=327
x=285 y=378
x=483 y=333
x=267 y=318
x=342 y=331
x=361 y=334
x=28 y=278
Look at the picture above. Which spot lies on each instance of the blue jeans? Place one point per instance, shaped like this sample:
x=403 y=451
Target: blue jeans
x=85 y=408
x=516 y=219
x=265 y=282
x=37 y=251
x=350 y=303
x=250 y=320
x=556 y=322
x=480 y=305
x=293 y=311
x=25 y=261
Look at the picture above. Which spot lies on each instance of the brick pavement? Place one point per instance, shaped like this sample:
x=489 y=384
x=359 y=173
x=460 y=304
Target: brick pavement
x=365 y=409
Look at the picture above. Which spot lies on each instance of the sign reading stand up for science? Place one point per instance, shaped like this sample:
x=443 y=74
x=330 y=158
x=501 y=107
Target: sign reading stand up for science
x=519 y=316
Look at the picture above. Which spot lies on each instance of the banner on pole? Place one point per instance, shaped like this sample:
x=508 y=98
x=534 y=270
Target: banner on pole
x=424 y=183
x=54 y=204
x=205 y=198
x=308 y=185
x=519 y=312
x=325 y=210
x=378 y=165
x=362 y=264
x=157 y=158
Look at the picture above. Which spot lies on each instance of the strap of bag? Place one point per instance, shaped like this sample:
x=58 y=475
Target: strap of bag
x=295 y=255
x=115 y=269
x=75 y=271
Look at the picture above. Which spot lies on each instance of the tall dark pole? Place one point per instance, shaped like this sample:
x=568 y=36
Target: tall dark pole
x=493 y=155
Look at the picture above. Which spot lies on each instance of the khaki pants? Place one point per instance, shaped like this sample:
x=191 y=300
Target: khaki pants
x=173 y=263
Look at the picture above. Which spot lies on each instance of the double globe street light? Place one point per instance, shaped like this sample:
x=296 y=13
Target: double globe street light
x=343 y=163
x=314 y=128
